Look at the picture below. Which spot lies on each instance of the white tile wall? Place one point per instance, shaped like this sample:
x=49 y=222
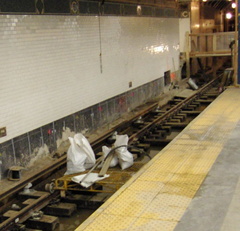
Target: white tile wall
x=50 y=65
x=184 y=27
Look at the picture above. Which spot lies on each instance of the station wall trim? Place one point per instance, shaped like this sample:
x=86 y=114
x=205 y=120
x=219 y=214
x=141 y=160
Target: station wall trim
x=78 y=7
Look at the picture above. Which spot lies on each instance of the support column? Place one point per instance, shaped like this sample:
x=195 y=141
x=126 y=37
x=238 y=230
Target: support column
x=237 y=41
x=187 y=39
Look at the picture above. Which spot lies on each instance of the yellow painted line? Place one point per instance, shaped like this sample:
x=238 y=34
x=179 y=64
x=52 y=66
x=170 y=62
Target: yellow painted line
x=157 y=196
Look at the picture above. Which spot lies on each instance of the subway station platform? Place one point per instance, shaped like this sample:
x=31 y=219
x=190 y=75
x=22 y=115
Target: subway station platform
x=192 y=184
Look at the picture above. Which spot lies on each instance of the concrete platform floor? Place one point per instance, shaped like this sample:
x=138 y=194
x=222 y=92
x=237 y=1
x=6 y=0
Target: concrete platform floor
x=216 y=206
x=191 y=185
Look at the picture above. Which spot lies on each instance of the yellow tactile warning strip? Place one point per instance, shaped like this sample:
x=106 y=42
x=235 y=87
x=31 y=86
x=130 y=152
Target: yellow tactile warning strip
x=157 y=196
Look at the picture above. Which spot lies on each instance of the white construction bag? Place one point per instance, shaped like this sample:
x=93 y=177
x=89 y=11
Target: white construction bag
x=75 y=158
x=124 y=156
x=86 y=148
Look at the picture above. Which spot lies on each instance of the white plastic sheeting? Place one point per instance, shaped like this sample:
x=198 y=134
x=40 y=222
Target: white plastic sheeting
x=88 y=180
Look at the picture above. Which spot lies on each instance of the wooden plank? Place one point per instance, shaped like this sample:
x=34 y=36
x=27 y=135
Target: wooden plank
x=106 y=165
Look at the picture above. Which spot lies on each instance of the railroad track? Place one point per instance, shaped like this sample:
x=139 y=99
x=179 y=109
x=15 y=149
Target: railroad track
x=152 y=128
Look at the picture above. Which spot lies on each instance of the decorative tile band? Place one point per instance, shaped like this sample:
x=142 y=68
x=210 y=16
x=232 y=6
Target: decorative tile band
x=76 y=7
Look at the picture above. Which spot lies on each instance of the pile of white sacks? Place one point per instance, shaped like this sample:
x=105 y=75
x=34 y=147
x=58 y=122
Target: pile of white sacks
x=80 y=157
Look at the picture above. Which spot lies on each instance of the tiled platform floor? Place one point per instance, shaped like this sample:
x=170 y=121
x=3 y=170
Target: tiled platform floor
x=176 y=190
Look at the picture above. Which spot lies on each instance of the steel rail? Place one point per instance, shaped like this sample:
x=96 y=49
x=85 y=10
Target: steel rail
x=21 y=216
x=22 y=184
x=172 y=111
